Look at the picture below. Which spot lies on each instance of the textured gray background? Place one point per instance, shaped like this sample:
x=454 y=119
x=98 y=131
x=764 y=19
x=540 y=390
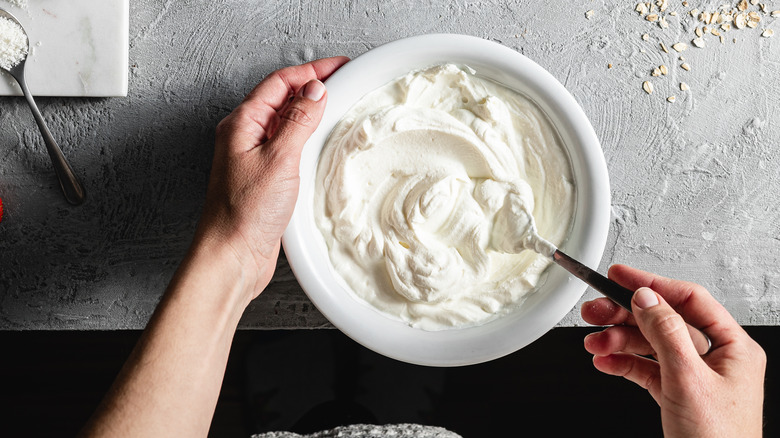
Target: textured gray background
x=695 y=183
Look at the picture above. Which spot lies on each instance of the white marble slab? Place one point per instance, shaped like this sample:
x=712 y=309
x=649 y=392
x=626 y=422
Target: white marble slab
x=77 y=47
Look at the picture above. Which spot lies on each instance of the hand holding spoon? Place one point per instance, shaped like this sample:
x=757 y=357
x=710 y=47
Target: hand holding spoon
x=525 y=237
x=71 y=187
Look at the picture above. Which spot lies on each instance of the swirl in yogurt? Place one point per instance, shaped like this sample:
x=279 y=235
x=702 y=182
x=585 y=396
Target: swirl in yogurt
x=427 y=193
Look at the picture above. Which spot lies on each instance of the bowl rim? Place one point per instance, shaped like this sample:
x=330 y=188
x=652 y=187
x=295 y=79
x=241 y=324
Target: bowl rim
x=304 y=245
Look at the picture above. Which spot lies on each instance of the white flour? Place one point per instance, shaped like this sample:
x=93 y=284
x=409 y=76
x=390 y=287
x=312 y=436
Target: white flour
x=18 y=3
x=13 y=43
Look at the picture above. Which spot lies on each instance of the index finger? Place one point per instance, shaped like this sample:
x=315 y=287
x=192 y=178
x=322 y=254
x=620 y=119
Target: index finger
x=692 y=301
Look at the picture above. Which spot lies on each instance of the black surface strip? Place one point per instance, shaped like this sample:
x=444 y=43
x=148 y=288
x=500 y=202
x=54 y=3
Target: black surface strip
x=52 y=381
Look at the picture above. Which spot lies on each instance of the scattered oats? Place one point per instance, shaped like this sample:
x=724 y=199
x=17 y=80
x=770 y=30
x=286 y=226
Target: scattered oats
x=663 y=23
x=776 y=13
x=698 y=42
x=652 y=17
x=705 y=29
x=685 y=4
x=663 y=47
x=740 y=21
x=753 y=2
x=664 y=70
x=642 y=51
x=656 y=72
x=679 y=46
x=767 y=33
x=716 y=18
x=715 y=31
x=648 y=87
x=646 y=37
x=685 y=66
x=752 y=24
x=662 y=4
x=671 y=99
x=735 y=41
x=722 y=39
x=704 y=17
x=726 y=27
x=693 y=12
x=753 y=16
x=742 y=5
x=589 y=14
x=673 y=13
x=684 y=86
x=681 y=58
x=641 y=8
x=698 y=32
x=762 y=6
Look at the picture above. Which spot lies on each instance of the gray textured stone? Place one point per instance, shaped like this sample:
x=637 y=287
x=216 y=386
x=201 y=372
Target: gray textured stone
x=694 y=183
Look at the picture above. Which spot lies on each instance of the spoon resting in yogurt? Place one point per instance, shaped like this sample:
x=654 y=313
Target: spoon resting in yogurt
x=514 y=230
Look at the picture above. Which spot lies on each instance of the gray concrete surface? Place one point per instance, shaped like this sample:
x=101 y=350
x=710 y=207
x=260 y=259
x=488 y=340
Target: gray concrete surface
x=695 y=183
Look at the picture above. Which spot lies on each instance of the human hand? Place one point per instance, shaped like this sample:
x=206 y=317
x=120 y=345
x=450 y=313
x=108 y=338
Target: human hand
x=717 y=395
x=254 y=178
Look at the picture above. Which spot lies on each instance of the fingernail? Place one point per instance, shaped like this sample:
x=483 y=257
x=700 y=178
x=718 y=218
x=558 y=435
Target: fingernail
x=645 y=298
x=314 y=90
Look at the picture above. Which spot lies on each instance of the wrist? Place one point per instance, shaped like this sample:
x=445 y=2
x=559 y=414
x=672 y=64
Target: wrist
x=229 y=266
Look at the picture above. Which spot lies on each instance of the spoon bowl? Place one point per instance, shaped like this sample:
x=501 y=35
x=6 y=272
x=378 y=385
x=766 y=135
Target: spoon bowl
x=71 y=187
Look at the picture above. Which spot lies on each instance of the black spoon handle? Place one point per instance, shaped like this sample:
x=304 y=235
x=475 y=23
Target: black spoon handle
x=612 y=290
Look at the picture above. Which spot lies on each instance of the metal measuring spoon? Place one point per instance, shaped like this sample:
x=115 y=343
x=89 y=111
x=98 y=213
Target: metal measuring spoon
x=71 y=187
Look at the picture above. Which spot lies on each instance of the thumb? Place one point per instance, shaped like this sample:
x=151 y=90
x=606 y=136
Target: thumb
x=665 y=329
x=301 y=116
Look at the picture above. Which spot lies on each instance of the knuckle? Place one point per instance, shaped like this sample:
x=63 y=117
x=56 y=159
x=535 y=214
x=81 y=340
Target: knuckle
x=648 y=383
x=617 y=338
x=757 y=353
x=227 y=125
x=242 y=113
x=283 y=72
x=668 y=324
x=298 y=115
x=224 y=127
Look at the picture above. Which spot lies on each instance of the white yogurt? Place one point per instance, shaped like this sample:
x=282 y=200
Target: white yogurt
x=423 y=193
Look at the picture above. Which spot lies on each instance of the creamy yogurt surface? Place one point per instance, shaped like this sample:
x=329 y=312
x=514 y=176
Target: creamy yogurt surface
x=427 y=192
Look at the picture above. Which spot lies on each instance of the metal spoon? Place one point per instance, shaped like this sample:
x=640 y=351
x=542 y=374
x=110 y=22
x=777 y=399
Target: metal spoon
x=617 y=293
x=71 y=187
x=620 y=294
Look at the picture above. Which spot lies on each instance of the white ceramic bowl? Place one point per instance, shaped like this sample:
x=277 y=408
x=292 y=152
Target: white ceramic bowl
x=308 y=256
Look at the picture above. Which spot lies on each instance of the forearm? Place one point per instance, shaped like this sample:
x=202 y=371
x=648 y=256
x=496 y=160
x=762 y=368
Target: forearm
x=171 y=382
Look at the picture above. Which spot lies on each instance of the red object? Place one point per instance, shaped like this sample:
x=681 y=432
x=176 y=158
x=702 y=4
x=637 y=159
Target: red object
x=1 y=209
